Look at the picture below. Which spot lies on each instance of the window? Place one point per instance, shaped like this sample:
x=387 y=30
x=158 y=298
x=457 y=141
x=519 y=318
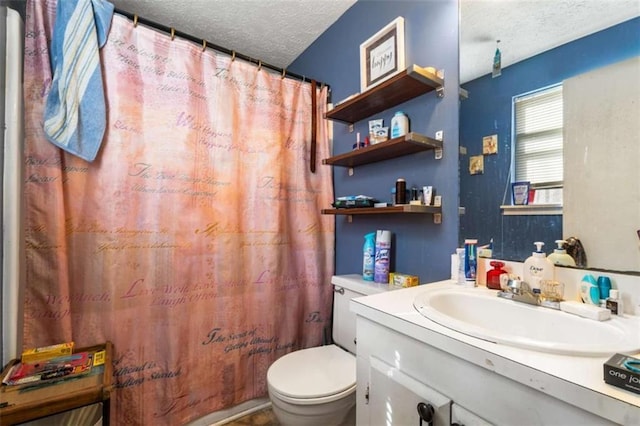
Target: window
x=538 y=122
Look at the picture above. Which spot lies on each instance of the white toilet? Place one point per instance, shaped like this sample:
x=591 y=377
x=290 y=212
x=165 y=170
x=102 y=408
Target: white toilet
x=317 y=386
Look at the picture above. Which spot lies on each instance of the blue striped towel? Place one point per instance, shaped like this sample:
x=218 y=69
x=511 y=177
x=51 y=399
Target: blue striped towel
x=75 y=114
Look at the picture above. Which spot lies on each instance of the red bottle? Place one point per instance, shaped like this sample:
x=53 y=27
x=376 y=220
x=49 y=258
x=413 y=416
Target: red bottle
x=493 y=275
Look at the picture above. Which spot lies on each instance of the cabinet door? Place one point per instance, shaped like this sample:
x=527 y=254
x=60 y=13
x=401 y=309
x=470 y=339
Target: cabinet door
x=463 y=417
x=394 y=397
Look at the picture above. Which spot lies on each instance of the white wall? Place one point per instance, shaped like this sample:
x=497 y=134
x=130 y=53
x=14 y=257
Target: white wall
x=602 y=164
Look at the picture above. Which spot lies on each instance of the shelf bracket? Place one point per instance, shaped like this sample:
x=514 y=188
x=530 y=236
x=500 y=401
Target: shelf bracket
x=440 y=92
x=438 y=151
x=351 y=128
x=437 y=218
x=350 y=171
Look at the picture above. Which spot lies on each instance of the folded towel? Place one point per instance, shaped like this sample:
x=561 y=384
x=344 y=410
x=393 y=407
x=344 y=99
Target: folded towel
x=75 y=113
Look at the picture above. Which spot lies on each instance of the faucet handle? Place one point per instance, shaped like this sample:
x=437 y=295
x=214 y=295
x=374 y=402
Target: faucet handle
x=517 y=286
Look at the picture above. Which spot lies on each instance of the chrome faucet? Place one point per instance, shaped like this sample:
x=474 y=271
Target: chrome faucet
x=519 y=291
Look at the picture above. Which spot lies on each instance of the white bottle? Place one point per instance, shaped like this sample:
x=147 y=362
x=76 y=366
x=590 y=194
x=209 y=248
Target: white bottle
x=560 y=256
x=614 y=302
x=538 y=268
x=399 y=125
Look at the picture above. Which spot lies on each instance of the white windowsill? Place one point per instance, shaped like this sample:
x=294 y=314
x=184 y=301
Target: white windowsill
x=531 y=209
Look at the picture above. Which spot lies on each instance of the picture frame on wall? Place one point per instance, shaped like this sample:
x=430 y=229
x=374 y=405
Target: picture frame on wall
x=520 y=192
x=383 y=55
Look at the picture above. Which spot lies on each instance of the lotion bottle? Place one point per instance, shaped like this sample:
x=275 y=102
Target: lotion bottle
x=538 y=268
x=560 y=256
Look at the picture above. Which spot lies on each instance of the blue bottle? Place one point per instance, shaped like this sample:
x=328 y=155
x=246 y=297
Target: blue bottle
x=604 y=287
x=368 y=252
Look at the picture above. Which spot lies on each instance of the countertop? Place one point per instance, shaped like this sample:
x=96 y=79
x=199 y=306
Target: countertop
x=575 y=380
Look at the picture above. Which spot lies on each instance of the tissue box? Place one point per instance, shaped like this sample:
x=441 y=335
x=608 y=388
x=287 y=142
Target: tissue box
x=403 y=280
x=617 y=375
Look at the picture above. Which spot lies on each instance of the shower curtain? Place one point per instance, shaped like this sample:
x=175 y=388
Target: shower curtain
x=194 y=242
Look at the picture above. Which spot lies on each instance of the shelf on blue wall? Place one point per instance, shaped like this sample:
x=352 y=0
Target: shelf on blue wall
x=408 y=84
x=410 y=143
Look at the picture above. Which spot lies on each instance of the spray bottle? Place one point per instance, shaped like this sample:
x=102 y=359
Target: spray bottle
x=368 y=256
x=383 y=257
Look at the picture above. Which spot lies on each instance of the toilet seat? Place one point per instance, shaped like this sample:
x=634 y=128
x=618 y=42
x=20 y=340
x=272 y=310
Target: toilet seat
x=312 y=376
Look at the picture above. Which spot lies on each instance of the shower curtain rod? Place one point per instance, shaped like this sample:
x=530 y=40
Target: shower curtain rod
x=173 y=32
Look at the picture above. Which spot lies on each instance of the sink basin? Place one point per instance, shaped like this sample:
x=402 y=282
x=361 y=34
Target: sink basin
x=478 y=312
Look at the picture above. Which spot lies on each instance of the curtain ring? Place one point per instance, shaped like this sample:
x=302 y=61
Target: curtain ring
x=259 y=65
x=304 y=79
x=233 y=55
x=173 y=33
x=204 y=45
x=135 y=20
x=284 y=72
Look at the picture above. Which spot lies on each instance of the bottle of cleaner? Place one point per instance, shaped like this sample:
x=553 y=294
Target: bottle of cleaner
x=560 y=256
x=369 y=252
x=537 y=268
x=383 y=257
x=399 y=125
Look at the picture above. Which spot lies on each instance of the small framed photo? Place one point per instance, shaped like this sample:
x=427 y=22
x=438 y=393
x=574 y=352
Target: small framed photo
x=520 y=192
x=382 y=56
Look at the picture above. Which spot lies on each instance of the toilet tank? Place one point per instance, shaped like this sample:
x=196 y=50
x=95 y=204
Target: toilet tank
x=345 y=288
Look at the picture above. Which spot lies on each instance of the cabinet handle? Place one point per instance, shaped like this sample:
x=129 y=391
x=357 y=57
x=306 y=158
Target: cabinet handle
x=339 y=290
x=425 y=412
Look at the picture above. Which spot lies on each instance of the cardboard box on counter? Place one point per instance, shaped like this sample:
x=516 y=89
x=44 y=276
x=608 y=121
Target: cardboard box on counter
x=397 y=280
x=616 y=374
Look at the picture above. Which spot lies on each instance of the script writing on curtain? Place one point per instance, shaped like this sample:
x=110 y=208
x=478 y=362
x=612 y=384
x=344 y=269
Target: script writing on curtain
x=194 y=242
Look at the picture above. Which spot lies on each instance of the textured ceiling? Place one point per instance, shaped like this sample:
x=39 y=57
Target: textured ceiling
x=529 y=27
x=273 y=31
x=277 y=31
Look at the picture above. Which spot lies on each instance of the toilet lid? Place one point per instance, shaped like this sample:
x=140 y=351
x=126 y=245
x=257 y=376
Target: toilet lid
x=313 y=373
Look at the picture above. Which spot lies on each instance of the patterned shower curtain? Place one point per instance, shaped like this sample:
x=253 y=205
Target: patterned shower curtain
x=194 y=242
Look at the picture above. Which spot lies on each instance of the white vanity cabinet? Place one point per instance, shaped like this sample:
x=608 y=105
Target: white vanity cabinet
x=395 y=372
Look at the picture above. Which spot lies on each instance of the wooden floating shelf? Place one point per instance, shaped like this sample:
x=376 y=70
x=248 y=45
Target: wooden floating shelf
x=410 y=143
x=404 y=208
x=409 y=84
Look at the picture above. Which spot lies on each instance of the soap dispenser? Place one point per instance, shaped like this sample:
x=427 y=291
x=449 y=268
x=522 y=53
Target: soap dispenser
x=560 y=256
x=538 y=268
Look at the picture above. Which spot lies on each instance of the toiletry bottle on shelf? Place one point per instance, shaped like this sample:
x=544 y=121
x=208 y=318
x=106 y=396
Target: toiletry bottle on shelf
x=493 y=275
x=614 y=302
x=399 y=125
x=537 y=268
x=560 y=256
x=401 y=191
x=369 y=253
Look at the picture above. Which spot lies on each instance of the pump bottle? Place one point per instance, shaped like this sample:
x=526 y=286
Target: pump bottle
x=560 y=256
x=538 y=268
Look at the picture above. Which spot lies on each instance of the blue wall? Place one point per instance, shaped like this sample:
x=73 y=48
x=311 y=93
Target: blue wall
x=420 y=247
x=488 y=111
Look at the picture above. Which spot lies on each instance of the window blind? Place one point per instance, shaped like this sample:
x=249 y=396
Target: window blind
x=538 y=137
